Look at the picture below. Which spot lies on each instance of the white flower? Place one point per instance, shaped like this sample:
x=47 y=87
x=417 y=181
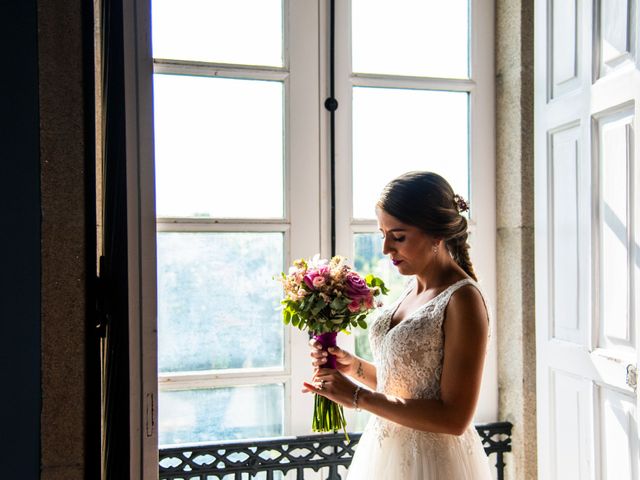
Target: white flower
x=316 y=261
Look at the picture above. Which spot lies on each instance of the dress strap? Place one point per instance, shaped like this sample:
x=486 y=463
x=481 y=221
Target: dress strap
x=461 y=283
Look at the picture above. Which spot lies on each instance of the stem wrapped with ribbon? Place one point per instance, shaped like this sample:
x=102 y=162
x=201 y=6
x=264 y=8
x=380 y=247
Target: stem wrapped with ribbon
x=328 y=416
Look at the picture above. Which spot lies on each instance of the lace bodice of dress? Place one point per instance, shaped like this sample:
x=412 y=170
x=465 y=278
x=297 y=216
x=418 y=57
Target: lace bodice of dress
x=409 y=360
x=409 y=357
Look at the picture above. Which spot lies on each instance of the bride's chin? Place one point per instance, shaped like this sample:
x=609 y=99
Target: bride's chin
x=403 y=269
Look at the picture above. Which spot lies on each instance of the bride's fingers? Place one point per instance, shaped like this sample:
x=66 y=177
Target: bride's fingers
x=315 y=344
x=337 y=351
x=318 y=354
x=311 y=387
x=326 y=374
x=319 y=363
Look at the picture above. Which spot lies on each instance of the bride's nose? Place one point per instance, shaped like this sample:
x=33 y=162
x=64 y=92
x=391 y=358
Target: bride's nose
x=385 y=246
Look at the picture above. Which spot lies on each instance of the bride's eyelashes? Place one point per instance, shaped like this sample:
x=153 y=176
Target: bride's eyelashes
x=395 y=239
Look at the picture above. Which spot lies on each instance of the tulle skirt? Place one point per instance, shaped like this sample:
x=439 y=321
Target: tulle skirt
x=388 y=451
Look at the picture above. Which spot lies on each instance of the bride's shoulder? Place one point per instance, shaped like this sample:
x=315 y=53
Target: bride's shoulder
x=467 y=301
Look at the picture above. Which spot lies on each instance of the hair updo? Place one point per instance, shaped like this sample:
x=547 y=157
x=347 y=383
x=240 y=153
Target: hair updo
x=426 y=200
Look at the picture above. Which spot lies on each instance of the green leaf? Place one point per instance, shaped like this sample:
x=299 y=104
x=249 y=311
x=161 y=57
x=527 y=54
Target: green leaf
x=373 y=281
x=339 y=303
x=362 y=323
x=317 y=306
x=286 y=316
x=336 y=304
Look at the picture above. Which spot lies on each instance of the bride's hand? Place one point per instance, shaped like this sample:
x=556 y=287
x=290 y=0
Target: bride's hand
x=345 y=362
x=333 y=385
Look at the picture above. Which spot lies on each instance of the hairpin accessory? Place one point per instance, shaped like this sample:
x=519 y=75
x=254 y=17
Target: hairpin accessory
x=461 y=203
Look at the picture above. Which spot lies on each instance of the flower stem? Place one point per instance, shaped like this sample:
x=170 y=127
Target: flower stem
x=328 y=416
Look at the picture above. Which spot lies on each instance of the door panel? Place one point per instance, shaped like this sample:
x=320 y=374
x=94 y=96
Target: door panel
x=565 y=64
x=618 y=442
x=587 y=235
x=571 y=425
x=564 y=160
x=615 y=33
x=613 y=152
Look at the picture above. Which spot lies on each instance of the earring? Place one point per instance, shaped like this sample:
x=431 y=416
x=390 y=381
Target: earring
x=435 y=249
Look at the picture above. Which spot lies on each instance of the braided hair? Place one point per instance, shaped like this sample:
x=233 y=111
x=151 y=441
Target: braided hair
x=426 y=200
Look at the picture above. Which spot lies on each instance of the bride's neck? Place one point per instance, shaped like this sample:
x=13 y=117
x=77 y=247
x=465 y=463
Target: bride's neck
x=440 y=274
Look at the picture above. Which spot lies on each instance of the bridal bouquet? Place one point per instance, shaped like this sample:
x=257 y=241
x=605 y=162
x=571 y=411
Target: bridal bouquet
x=326 y=297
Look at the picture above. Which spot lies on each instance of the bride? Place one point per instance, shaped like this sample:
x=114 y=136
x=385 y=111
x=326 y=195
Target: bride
x=429 y=346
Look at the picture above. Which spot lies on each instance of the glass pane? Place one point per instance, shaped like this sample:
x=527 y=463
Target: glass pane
x=217 y=301
x=213 y=414
x=218 y=147
x=247 y=32
x=425 y=38
x=396 y=130
x=368 y=255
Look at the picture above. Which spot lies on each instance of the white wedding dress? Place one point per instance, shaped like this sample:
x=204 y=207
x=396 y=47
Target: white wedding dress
x=408 y=359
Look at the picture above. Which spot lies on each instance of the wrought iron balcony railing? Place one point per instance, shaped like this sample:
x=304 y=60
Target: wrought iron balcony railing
x=272 y=459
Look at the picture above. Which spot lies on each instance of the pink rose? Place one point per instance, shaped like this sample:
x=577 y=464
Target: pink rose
x=312 y=274
x=318 y=281
x=354 y=306
x=356 y=287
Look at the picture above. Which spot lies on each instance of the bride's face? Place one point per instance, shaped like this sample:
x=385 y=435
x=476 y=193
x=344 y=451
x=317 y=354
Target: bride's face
x=409 y=248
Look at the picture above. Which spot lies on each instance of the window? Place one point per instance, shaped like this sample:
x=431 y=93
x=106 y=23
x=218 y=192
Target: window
x=416 y=93
x=242 y=179
x=233 y=135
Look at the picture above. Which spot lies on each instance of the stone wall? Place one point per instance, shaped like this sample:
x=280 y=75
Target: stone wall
x=515 y=235
x=64 y=247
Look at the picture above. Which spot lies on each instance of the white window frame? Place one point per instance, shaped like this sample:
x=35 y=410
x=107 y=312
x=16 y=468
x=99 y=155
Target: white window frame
x=482 y=222
x=307 y=202
x=141 y=242
x=301 y=161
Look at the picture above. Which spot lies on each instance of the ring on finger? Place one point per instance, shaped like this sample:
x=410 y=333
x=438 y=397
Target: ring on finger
x=321 y=387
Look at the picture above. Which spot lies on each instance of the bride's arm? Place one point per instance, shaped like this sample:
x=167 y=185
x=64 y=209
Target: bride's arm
x=465 y=333
x=364 y=372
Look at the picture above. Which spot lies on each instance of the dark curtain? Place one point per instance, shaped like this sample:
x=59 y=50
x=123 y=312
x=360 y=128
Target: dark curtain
x=20 y=242
x=113 y=326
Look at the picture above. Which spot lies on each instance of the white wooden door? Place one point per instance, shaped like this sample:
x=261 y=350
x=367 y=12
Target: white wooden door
x=587 y=189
